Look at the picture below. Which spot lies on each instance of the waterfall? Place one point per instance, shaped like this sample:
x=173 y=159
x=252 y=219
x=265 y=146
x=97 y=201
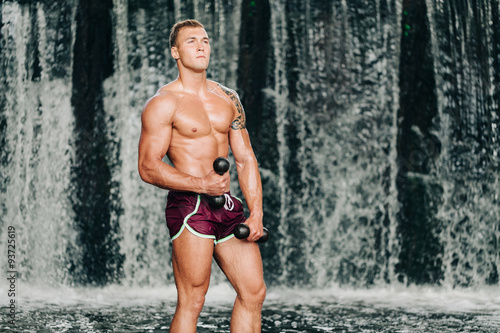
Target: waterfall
x=375 y=123
x=466 y=44
x=37 y=138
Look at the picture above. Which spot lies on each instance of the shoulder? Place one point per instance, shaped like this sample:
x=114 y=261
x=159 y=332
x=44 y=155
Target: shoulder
x=166 y=97
x=227 y=91
x=161 y=105
x=232 y=95
x=239 y=119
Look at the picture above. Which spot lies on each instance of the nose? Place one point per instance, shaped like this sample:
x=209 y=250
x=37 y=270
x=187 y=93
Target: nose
x=201 y=47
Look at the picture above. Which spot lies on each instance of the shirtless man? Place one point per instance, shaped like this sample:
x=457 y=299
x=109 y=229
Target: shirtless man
x=194 y=120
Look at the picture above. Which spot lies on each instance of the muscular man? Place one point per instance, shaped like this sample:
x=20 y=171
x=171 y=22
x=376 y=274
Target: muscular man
x=194 y=120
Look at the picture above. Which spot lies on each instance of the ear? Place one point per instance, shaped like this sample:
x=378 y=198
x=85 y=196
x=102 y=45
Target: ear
x=174 y=52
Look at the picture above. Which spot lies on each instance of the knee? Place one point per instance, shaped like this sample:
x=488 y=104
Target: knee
x=192 y=301
x=253 y=296
x=197 y=303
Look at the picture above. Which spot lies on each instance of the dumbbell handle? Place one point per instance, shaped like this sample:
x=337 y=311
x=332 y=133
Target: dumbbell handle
x=242 y=231
x=221 y=165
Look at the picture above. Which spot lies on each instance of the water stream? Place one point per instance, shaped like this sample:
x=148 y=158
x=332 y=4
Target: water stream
x=376 y=124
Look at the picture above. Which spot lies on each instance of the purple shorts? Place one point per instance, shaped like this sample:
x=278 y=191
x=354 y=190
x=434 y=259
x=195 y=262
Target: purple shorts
x=192 y=211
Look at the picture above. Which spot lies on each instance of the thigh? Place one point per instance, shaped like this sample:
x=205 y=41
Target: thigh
x=241 y=262
x=192 y=261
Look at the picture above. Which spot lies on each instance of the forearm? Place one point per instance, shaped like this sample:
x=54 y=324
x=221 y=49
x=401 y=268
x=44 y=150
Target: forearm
x=162 y=175
x=251 y=185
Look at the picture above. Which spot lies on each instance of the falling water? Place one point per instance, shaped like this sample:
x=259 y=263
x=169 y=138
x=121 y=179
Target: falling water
x=375 y=123
x=466 y=45
x=37 y=138
x=376 y=127
x=336 y=95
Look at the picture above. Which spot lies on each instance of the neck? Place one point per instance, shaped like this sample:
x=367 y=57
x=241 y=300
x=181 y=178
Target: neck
x=193 y=81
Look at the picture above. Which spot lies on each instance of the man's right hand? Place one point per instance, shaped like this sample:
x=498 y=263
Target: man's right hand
x=215 y=184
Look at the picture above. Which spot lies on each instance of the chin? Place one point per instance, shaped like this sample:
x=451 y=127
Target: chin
x=200 y=68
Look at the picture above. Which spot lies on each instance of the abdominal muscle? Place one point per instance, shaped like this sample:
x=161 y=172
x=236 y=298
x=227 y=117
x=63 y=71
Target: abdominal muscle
x=195 y=156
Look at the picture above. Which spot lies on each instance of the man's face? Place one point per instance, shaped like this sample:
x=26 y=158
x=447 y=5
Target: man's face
x=193 y=49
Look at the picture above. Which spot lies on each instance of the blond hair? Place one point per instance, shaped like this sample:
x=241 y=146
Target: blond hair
x=174 y=32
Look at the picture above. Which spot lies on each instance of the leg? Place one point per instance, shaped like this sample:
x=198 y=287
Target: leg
x=191 y=261
x=242 y=264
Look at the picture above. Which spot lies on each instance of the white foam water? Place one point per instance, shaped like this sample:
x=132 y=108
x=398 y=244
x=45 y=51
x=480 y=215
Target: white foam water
x=338 y=309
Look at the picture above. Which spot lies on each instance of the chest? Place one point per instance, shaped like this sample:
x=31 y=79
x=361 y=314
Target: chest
x=196 y=117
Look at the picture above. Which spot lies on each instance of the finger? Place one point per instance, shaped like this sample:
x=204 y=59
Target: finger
x=256 y=236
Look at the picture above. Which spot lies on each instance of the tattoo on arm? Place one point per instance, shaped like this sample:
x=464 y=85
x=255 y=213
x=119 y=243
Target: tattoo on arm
x=239 y=122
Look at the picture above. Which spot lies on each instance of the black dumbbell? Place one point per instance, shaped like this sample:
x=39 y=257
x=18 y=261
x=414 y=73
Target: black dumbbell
x=242 y=231
x=221 y=165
